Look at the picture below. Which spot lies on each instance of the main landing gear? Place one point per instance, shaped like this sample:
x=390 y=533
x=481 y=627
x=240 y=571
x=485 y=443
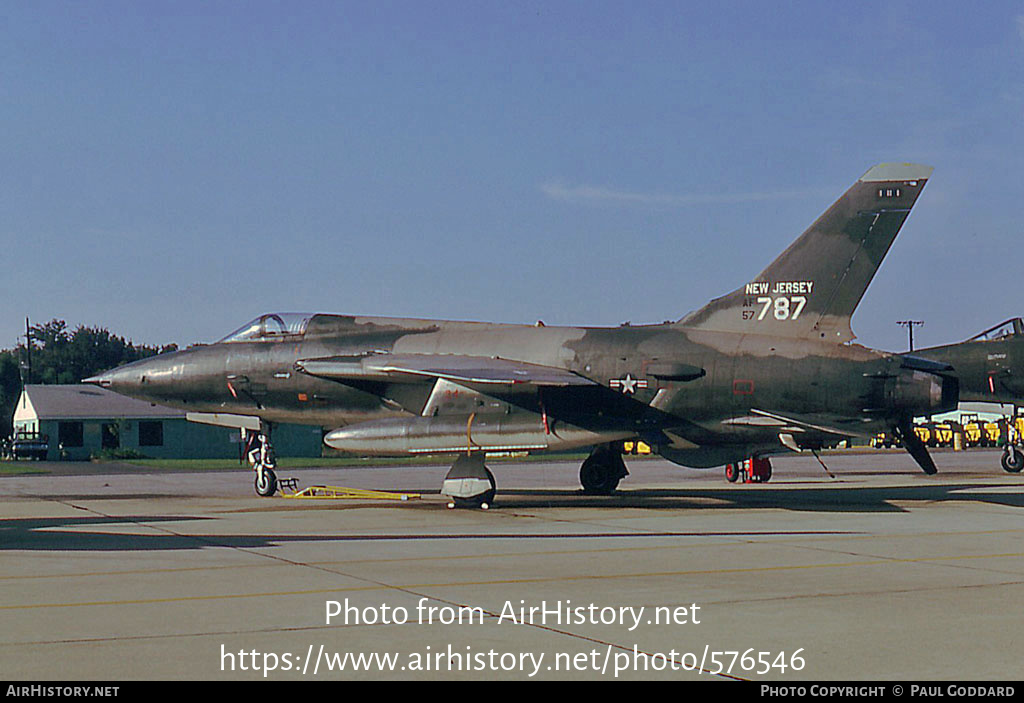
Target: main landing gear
x=260 y=453
x=603 y=469
x=752 y=470
x=469 y=483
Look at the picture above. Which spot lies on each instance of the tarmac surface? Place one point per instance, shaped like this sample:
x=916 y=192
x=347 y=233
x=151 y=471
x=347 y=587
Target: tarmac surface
x=882 y=573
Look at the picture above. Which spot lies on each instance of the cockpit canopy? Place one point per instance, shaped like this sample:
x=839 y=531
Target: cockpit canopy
x=1009 y=328
x=273 y=326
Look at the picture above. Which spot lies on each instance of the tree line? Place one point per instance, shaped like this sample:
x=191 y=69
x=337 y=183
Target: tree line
x=60 y=355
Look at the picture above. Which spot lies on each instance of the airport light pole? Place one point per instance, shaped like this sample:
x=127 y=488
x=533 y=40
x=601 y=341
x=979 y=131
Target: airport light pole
x=25 y=364
x=910 y=325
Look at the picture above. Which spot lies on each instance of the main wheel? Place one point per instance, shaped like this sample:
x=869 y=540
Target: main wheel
x=598 y=478
x=732 y=473
x=1012 y=462
x=266 y=483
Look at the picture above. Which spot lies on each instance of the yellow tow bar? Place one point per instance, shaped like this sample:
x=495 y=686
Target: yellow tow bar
x=339 y=492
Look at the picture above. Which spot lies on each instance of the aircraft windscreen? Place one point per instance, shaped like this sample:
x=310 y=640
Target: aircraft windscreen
x=1003 y=330
x=269 y=327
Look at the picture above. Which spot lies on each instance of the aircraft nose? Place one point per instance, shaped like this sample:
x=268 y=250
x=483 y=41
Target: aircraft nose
x=120 y=378
x=100 y=379
x=136 y=377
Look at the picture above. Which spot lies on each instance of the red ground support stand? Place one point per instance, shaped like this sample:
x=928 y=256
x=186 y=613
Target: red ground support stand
x=753 y=470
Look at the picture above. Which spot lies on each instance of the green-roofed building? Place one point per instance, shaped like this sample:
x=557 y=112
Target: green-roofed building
x=80 y=421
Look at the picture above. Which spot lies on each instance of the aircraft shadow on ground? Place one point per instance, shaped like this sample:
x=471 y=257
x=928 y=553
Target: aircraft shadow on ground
x=145 y=533
x=67 y=497
x=65 y=534
x=817 y=499
x=16 y=537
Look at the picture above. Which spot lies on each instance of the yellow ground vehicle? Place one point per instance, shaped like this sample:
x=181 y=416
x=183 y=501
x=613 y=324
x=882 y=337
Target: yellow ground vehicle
x=974 y=430
x=993 y=433
x=983 y=433
x=942 y=434
x=975 y=435
x=924 y=433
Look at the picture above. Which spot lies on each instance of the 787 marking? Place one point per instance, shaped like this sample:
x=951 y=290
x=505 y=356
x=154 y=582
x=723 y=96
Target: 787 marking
x=782 y=307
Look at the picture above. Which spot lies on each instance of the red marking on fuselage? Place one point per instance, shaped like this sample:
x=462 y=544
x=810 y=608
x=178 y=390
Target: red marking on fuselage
x=742 y=387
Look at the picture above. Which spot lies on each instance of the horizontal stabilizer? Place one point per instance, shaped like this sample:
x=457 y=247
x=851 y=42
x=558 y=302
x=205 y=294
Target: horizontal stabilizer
x=800 y=423
x=916 y=363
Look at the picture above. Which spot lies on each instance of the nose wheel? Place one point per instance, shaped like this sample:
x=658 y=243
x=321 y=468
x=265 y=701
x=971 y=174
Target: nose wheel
x=1012 y=460
x=266 y=482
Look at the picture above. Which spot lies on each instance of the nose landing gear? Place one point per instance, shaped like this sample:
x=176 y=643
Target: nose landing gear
x=1012 y=459
x=260 y=455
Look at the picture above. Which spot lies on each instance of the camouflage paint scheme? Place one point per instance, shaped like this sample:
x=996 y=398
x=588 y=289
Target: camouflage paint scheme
x=989 y=366
x=766 y=367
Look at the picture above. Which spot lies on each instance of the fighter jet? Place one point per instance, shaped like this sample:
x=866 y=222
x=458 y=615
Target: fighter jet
x=990 y=369
x=768 y=368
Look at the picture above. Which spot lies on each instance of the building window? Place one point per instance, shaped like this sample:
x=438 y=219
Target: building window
x=69 y=434
x=151 y=433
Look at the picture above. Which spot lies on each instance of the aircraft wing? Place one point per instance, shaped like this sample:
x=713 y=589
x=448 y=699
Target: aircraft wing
x=396 y=368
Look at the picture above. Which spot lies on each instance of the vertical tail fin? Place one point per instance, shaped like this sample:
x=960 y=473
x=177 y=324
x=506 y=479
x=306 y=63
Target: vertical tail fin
x=813 y=287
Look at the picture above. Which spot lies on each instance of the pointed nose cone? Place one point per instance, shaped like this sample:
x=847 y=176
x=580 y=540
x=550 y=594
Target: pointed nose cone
x=122 y=379
x=100 y=379
x=136 y=378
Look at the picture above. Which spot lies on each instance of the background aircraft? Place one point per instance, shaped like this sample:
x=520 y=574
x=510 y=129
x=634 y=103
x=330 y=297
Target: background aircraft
x=769 y=367
x=990 y=369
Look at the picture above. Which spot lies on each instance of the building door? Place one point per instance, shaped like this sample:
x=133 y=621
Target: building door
x=111 y=438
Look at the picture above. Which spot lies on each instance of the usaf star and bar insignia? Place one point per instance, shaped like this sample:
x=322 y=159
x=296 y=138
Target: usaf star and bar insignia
x=628 y=384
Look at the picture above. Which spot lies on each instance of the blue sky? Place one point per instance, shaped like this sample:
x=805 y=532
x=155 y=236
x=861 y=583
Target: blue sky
x=171 y=170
